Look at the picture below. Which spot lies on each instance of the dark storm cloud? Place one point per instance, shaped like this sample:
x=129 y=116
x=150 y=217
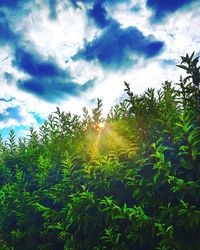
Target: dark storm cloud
x=75 y=2
x=7 y=35
x=21 y=7
x=115 y=45
x=113 y=49
x=7 y=100
x=98 y=13
x=162 y=8
x=136 y=8
x=35 y=65
x=46 y=80
x=8 y=77
x=53 y=89
x=52 y=8
x=11 y=3
x=11 y=113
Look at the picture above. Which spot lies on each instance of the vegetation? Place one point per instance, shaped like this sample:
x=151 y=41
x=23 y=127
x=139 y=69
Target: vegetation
x=130 y=181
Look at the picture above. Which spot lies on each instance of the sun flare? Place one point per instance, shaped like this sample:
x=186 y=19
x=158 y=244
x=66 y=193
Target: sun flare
x=101 y=125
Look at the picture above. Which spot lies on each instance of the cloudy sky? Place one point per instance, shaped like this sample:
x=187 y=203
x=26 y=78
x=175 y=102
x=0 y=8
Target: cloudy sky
x=67 y=53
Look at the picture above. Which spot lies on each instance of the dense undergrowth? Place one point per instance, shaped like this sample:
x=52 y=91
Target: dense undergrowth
x=132 y=184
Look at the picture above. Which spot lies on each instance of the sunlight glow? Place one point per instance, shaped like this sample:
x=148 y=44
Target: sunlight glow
x=94 y=147
x=100 y=126
x=107 y=138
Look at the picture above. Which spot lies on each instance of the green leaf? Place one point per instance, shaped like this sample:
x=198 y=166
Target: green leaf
x=156 y=176
x=170 y=231
x=182 y=67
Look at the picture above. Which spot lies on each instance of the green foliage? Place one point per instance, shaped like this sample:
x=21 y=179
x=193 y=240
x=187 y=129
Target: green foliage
x=133 y=183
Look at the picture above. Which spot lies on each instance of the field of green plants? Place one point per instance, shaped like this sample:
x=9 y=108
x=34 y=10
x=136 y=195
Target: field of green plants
x=130 y=181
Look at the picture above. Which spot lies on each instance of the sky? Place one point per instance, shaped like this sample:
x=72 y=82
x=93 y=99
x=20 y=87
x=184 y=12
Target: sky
x=68 y=53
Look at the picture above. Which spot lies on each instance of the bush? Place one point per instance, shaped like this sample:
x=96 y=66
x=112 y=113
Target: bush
x=132 y=183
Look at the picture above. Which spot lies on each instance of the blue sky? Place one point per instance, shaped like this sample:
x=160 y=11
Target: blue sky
x=68 y=53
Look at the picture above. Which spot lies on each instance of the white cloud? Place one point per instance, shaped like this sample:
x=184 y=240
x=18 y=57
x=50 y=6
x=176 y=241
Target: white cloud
x=179 y=33
x=62 y=38
x=27 y=118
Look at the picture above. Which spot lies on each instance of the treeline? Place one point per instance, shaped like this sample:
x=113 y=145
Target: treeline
x=128 y=181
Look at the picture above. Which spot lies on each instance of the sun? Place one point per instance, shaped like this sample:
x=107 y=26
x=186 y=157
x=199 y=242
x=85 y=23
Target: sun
x=99 y=126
